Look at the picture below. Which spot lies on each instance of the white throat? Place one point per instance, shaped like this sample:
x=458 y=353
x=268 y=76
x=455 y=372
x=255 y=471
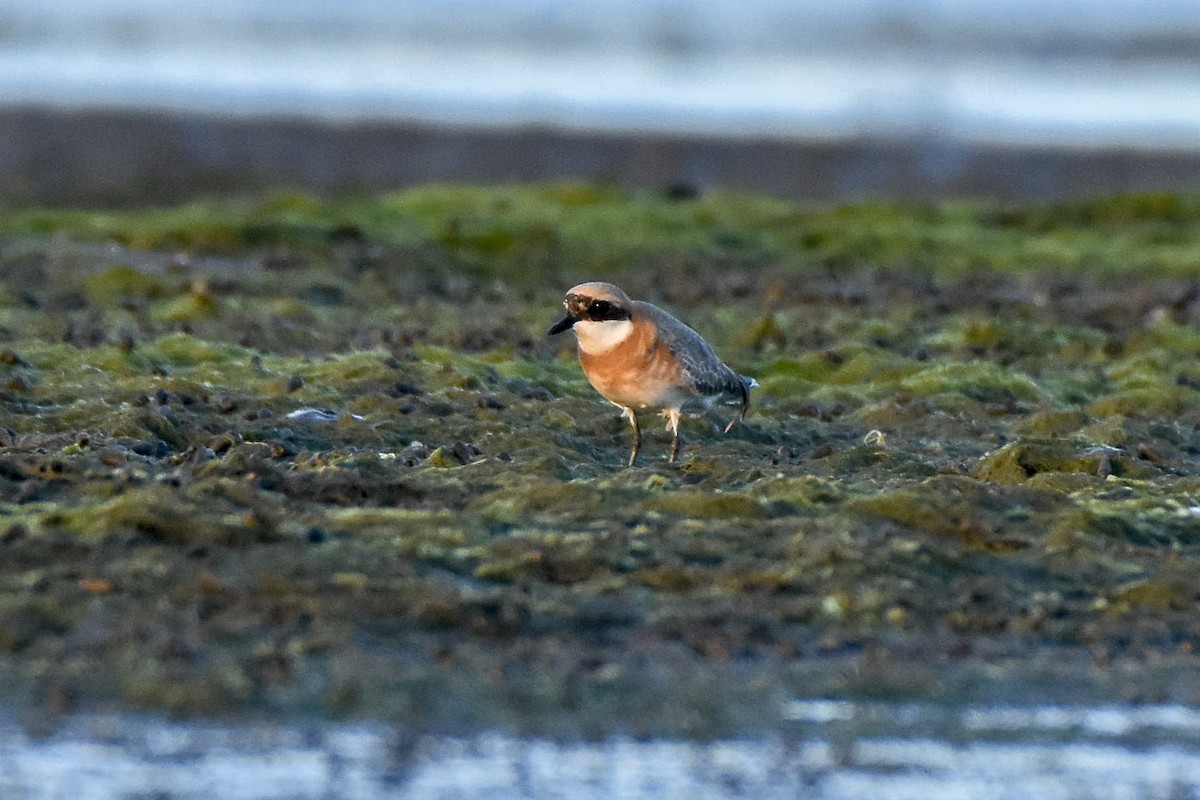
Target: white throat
x=597 y=338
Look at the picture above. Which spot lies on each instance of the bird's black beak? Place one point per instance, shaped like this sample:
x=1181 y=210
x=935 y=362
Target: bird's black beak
x=563 y=324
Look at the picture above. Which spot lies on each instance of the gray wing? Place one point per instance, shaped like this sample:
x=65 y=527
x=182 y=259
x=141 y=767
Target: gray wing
x=704 y=369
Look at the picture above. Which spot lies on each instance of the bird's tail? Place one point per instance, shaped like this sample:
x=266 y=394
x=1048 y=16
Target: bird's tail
x=743 y=387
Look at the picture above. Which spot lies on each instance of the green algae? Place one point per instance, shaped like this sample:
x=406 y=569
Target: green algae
x=1055 y=422
x=1156 y=595
x=980 y=381
x=118 y=286
x=317 y=455
x=704 y=505
x=1018 y=461
x=509 y=229
x=1163 y=400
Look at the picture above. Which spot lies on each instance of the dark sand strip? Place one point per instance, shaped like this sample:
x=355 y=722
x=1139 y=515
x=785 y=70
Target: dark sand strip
x=60 y=156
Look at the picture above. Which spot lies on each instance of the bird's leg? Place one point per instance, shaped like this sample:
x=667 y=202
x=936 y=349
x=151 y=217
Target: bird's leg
x=673 y=424
x=637 y=434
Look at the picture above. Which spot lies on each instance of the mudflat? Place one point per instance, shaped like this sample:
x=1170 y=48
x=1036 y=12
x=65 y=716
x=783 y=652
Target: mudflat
x=315 y=457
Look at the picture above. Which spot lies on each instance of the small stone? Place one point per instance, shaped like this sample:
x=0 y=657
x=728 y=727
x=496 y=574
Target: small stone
x=537 y=393
x=832 y=412
x=14 y=533
x=282 y=450
x=312 y=415
x=18 y=382
x=442 y=458
x=808 y=409
x=401 y=389
x=294 y=383
x=222 y=443
x=465 y=451
x=153 y=449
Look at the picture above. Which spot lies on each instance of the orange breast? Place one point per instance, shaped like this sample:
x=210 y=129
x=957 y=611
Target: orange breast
x=639 y=372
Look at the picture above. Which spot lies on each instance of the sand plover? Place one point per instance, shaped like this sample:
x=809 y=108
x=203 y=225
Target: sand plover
x=640 y=357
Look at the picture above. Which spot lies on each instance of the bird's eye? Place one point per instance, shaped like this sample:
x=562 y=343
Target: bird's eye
x=599 y=307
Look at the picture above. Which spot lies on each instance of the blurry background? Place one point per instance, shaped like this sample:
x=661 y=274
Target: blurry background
x=130 y=101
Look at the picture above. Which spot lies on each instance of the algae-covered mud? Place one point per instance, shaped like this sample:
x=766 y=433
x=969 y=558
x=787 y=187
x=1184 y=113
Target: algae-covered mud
x=317 y=457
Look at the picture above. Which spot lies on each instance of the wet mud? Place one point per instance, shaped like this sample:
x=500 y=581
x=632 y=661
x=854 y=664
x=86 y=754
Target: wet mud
x=317 y=458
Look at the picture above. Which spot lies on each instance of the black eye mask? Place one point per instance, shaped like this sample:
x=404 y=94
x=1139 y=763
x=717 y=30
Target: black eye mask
x=585 y=308
x=603 y=311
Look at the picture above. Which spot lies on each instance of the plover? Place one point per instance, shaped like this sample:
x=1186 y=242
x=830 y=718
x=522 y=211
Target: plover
x=638 y=357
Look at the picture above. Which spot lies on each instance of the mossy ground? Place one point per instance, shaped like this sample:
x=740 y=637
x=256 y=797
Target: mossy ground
x=970 y=471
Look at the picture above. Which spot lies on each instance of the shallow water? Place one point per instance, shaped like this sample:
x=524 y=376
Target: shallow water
x=830 y=749
x=1015 y=73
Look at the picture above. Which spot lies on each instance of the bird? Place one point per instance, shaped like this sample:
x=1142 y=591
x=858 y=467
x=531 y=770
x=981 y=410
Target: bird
x=639 y=357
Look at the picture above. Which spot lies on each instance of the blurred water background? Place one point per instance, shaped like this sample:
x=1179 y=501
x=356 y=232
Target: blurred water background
x=794 y=97
x=828 y=750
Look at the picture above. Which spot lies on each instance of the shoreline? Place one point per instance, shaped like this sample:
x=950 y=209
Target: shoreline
x=65 y=156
